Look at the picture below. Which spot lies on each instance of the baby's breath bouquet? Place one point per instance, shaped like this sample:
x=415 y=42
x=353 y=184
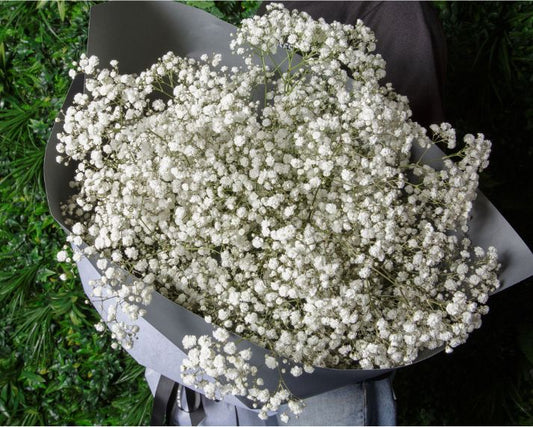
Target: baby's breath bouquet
x=289 y=201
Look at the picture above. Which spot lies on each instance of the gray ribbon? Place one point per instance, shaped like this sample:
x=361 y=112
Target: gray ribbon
x=162 y=401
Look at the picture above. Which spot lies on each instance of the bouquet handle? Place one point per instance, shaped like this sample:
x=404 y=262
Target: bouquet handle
x=175 y=404
x=369 y=402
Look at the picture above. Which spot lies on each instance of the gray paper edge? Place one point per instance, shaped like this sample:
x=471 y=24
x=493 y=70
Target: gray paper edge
x=57 y=176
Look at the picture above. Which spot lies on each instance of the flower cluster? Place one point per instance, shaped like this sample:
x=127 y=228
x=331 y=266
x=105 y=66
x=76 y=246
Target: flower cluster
x=281 y=202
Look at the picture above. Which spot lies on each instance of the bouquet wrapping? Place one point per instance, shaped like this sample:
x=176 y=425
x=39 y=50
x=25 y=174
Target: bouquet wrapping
x=138 y=33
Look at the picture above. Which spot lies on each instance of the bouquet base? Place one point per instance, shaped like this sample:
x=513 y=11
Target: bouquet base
x=366 y=403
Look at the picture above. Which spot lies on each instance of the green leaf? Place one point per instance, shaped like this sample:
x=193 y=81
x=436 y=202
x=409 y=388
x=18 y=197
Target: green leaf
x=14 y=125
x=2 y=55
x=27 y=168
x=61 y=9
x=74 y=318
x=33 y=330
x=32 y=380
x=15 y=285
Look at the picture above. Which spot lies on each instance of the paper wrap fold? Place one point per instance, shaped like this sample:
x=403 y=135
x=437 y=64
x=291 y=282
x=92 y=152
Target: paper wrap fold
x=137 y=34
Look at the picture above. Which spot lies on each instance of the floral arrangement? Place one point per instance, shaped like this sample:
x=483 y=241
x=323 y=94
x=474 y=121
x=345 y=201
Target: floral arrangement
x=281 y=201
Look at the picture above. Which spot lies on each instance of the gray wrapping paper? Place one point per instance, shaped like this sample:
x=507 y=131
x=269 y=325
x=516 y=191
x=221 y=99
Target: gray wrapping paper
x=136 y=34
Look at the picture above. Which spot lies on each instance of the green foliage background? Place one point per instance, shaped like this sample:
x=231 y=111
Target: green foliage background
x=56 y=369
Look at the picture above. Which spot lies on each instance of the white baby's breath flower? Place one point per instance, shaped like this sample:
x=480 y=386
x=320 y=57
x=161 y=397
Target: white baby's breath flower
x=296 y=371
x=300 y=223
x=189 y=341
x=221 y=334
x=62 y=256
x=270 y=362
